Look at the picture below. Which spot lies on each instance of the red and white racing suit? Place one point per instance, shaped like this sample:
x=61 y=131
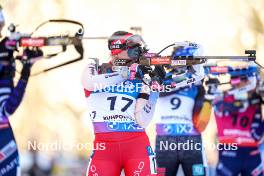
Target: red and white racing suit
x=123 y=143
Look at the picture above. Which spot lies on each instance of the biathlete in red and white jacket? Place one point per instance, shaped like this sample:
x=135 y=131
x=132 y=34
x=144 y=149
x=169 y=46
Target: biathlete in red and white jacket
x=120 y=108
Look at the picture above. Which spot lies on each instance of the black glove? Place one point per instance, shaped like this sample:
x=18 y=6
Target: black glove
x=28 y=55
x=7 y=62
x=142 y=70
x=211 y=91
x=158 y=74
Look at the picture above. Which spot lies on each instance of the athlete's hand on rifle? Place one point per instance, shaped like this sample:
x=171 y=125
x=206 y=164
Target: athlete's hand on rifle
x=137 y=71
x=29 y=57
x=211 y=89
x=153 y=78
x=157 y=78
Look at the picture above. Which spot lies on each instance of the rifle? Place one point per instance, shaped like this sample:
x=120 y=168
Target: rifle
x=178 y=61
x=18 y=40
